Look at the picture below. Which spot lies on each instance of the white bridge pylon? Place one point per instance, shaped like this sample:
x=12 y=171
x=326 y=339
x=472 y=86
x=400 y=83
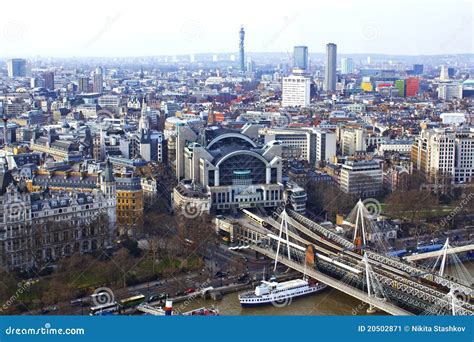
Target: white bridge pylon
x=283 y=225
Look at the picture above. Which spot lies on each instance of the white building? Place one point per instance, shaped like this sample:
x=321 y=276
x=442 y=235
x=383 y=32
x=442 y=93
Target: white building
x=399 y=146
x=453 y=118
x=444 y=73
x=347 y=66
x=353 y=140
x=110 y=101
x=450 y=91
x=364 y=177
x=296 y=91
x=310 y=144
x=445 y=152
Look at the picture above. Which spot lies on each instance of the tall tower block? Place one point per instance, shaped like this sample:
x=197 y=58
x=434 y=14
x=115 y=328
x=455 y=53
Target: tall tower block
x=241 y=49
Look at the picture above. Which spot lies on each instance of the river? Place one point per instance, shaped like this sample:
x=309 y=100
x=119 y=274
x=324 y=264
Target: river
x=328 y=302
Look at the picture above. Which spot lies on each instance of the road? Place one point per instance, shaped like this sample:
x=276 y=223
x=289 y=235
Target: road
x=219 y=261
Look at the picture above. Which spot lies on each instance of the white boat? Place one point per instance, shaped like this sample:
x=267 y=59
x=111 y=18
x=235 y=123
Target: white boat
x=279 y=294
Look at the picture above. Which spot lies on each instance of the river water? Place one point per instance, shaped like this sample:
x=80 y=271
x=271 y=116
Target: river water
x=328 y=302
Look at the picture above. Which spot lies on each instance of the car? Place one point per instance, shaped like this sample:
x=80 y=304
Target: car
x=157 y=297
x=180 y=293
x=49 y=309
x=76 y=302
x=190 y=290
x=221 y=274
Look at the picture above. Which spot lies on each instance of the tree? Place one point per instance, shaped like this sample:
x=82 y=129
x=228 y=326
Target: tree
x=411 y=204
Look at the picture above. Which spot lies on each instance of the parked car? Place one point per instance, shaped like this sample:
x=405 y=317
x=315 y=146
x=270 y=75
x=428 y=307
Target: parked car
x=77 y=302
x=157 y=297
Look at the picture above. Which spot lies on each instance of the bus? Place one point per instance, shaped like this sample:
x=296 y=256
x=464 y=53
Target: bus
x=104 y=309
x=131 y=301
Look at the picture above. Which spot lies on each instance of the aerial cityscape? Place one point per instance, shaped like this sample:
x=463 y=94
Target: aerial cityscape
x=266 y=170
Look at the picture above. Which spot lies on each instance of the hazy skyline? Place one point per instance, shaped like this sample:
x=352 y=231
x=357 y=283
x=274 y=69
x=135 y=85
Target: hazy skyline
x=146 y=28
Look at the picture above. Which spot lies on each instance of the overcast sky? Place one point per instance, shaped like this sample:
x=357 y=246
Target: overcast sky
x=173 y=27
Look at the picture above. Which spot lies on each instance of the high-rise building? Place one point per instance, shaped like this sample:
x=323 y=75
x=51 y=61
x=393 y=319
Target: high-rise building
x=347 y=66
x=48 y=80
x=450 y=91
x=451 y=72
x=17 y=67
x=364 y=178
x=300 y=57
x=311 y=144
x=241 y=49
x=330 y=75
x=400 y=85
x=98 y=85
x=353 y=140
x=35 y=82
x=296 y=90
x=83 y=85
x=250 y=67
x=445 y=154
x=444 y=73
x=418 y=69
x=412 y=86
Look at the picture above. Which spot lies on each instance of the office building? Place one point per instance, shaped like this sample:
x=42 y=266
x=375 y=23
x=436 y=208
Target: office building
x=113 y=101
x=412 y=85
x=450 y=91
x=444 y=73
x=417 y=69
x=296 y=90
x=363 y=178
x=300 y=57
x=400 y=85
x=48 y=80
x=353 y=140
x=83 y=85
x=347 y=66
x=310 y=144
x=47 y=224
x=98 y=85
x=330 y=78
x=17 y=67
x=445 y=153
